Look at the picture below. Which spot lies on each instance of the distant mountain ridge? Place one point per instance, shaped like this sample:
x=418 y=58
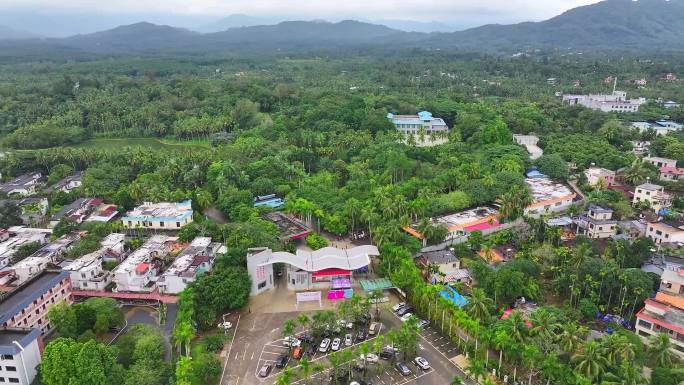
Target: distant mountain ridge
x=645 y=25
x=7 y=33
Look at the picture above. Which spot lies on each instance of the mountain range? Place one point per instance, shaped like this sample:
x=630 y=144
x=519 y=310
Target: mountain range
x=610 y=24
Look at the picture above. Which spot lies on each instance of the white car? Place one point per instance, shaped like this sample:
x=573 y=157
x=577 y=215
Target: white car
x=344 y=324
x=421 y=363
x=225 y=325
x=406 y=317
x=336 y=344
x=348 y=340
x=372 y=358
x=398 y=306
x=325 y=344
x=291 y=342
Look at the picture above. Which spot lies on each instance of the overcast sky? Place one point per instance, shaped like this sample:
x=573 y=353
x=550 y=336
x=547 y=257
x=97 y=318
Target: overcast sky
x=458 y=13
x=425 y=10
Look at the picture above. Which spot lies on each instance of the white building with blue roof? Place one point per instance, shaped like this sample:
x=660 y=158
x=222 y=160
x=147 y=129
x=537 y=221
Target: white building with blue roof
x=424 y=127
x=159 y=216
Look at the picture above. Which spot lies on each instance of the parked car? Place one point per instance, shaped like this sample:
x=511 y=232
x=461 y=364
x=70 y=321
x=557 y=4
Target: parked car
x=281 y=361
x=387 y=354
x=324 y=346
x=404 y=310
x=348 y=340
x=336 y=344
x=360 y=382
x=265 y=370
x=370 y=357
x=359 y=366
x=291 y=341
x=423 y=324
x=374 y=328
x=344 y=324
x=406 y=317
x=308 y=338
x=310 y=350
x=361 y=335
x=403 y=369
x=421 y=363
x=398 y=306
x=297 y=352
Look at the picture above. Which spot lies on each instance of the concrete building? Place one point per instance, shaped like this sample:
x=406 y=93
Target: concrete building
x=596 y=175
x=20 y=355
x=77 y=211
x=661 y=127
x=665 y=312
x=26 y=306
x=87 y=273
x=448 y=266
x=113 y=247
x=661 y=232
x=315 y=270
x=422 y=127
x=159 y=216
x=103 y=213
x=640 y=147
x=548 y=197
x=51 y=253
x=597 y=223
x=530 y=143
x=24 y=185
x=140 y=271
x=671 y=174
x=12 y=242
x=485 y=219
x=654 y=194
x=660 y=162
x=615 y=102
x=196 y=259
x=671 y=104
x=67 y=184
x=290 y=228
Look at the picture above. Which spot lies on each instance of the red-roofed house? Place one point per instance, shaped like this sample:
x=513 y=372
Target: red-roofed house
x=671 y=173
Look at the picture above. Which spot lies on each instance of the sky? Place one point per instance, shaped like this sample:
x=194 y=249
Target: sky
x=188 y=13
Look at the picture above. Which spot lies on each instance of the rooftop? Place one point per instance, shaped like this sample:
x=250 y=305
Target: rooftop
x=672 y=170
x=439 y=257
x=191 y=256
x=289 y=227
x=157 y=244
x=77 y=176
x=599 y=210
x=544 y=189
x=650 y=187
x=84 y=261
x=48 y=251
x=22 y=336
x=20 y=297
x=21 y=181
x=465 y=219
x=326 y=258
x=673 y=276
x=659 y=159
x=76 y=208
x=160 y=211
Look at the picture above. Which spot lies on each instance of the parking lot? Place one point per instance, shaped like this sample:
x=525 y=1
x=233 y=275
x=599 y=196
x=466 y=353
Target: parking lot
x=258 y=340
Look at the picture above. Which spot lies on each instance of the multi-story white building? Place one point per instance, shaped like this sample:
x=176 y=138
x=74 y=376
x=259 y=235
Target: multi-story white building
x=661 y=232
x=654 y=194
x=640 y=147
x=27 y=306
x=660 y=162
x=51 y=253
x=597 y=223
x=665 y=312
x=113 y=247
x=13 y=242
x=422 y=127
x=615 y=102
x=196 y=259
x=159 y=216
x=20 y=355
x=139 y=272
x=530 y=143
x=87 y=272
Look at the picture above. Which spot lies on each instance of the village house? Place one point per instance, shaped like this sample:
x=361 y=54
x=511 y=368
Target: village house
x=597 y=223
x=596 y=175
x=447 y=267
x=548 y=196
x=615 y=102
x=50 y=254
x=196 y=259
x=24 y=185
x=654 y=194
x=671 y=174
x=159 y=216
x=420 y=126
x=485 y=219
x=662 y=232
x=660 y=162
x=140 y=270
x=67 y=184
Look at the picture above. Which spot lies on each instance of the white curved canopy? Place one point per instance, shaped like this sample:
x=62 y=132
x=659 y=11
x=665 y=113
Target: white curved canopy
x=326 y=258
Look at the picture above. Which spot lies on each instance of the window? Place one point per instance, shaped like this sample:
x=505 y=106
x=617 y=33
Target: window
x=645 y=324
x=11 y=368
x=161 y=224
x=13 y=380
x=7 y=357
x=261 y=285
x=177 y=224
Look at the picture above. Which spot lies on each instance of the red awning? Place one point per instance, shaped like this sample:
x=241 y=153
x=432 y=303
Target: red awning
x=482 y=226
x=330 y=272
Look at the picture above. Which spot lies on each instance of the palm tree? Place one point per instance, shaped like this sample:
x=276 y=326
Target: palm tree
x=627 y=374
x=516 y=326
x=514 y=202
x=288 y=330
x=616 y=348
x=477 y=369
x=305 y=369
x=285 y=377
x=303 y=320
x=590 y=361
x=571 y=337
x=636 y=173
x=544 y=324
x=660 y=350
x=480 y=305
x=457 y=380
x=580 y=254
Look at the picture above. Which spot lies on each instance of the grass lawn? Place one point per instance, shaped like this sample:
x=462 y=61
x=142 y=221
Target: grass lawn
x=154 y=143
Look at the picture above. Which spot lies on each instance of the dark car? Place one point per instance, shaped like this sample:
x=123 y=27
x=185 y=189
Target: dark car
x=308 y=338
x=403 y=368
x=386 y=354
x=281 y=361
x=360 y=336
x=404 y=310
x=311 y=349
x=265 y=370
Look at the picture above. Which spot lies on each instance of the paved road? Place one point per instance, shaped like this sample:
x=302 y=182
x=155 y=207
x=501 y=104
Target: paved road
x=145 y=315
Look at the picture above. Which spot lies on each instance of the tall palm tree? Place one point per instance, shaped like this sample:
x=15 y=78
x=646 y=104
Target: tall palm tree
x=571 y=337
x=305 y=369
x=480 y=305
x=636 y=173
x=285 y=377
x=457 y=380
x=660 y=350
x=477 y=369
x=544 y=324
x=627 y=374
x=514 y=202
x=617 y=348
x=590 y=361
x=516 y=326
x=303 y=320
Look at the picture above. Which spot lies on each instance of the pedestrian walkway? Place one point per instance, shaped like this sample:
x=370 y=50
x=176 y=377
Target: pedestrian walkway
x=152 y=296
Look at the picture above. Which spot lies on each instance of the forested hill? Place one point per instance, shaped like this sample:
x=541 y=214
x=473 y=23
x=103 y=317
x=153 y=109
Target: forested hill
x=617 y=24
x=645 y=25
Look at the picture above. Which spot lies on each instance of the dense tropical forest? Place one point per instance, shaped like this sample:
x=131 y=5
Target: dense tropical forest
x=312 y=128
